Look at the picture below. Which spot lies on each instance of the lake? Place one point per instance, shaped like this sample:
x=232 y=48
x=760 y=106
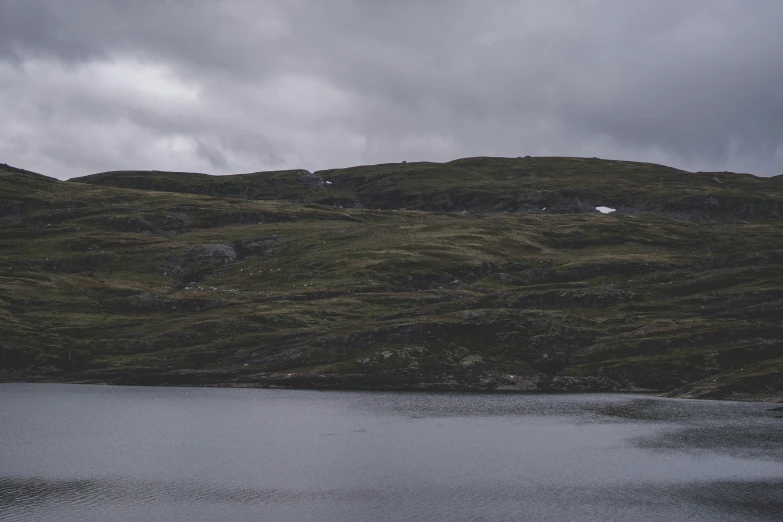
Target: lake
x=96 y=453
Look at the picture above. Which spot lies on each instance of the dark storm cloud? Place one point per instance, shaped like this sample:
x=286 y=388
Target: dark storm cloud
x=230 y=86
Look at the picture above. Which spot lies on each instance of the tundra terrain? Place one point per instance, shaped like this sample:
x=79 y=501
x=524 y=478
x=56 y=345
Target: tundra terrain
x=477 y=274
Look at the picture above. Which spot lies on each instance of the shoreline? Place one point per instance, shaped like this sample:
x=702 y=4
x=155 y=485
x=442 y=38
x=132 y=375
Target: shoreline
x=380 y=383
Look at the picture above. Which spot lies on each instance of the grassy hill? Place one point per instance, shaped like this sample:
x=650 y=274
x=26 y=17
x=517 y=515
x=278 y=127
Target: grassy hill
x=485 y=185
x=481 y=273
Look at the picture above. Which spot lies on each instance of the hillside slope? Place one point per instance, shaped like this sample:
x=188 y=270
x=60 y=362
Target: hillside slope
x=484 y=185
x=169 y=285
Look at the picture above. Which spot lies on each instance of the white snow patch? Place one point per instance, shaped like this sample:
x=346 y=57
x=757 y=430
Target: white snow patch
x=605 y=210
x=328 y=182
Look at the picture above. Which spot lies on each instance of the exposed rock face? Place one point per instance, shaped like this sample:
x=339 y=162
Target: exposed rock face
x=311 y=181
x=174 y=224
x=195 y=263
x=260 y=245
x=220 y=254
x=10 y=210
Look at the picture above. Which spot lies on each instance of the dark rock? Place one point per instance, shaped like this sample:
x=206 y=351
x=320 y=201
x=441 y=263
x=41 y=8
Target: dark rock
x=195 y=263
x=220 y=254
x=259 y=245
x=10 y=209
x=310 y=180
x=174 y=224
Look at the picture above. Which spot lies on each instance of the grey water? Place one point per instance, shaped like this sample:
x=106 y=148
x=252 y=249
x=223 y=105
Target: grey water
x=95 y=453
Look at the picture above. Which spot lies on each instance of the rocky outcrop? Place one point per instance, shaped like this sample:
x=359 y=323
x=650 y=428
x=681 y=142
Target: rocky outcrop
x=10 y=210
x=174 y=224
x=196 y=263
x=310 y=180
x=266 y=245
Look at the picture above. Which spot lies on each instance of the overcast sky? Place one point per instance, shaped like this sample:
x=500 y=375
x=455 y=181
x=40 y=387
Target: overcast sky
x=234 y=86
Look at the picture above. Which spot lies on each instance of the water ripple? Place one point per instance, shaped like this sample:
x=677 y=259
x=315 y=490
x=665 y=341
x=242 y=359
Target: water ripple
x=745 y=500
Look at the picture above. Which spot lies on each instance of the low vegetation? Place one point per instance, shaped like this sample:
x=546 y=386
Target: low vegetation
x=481 y=273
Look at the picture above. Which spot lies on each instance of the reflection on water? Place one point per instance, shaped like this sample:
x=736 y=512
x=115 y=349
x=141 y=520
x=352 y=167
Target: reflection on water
x=727 y=428
x=112 y=453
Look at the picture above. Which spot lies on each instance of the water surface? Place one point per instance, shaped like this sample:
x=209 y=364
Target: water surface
x=90 y=453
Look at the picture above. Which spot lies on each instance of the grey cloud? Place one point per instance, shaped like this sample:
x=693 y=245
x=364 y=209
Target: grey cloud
x=212 y=155
x=229 y=86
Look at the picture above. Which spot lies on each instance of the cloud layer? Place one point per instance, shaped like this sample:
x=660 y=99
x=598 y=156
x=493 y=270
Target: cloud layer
x=240 y=85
